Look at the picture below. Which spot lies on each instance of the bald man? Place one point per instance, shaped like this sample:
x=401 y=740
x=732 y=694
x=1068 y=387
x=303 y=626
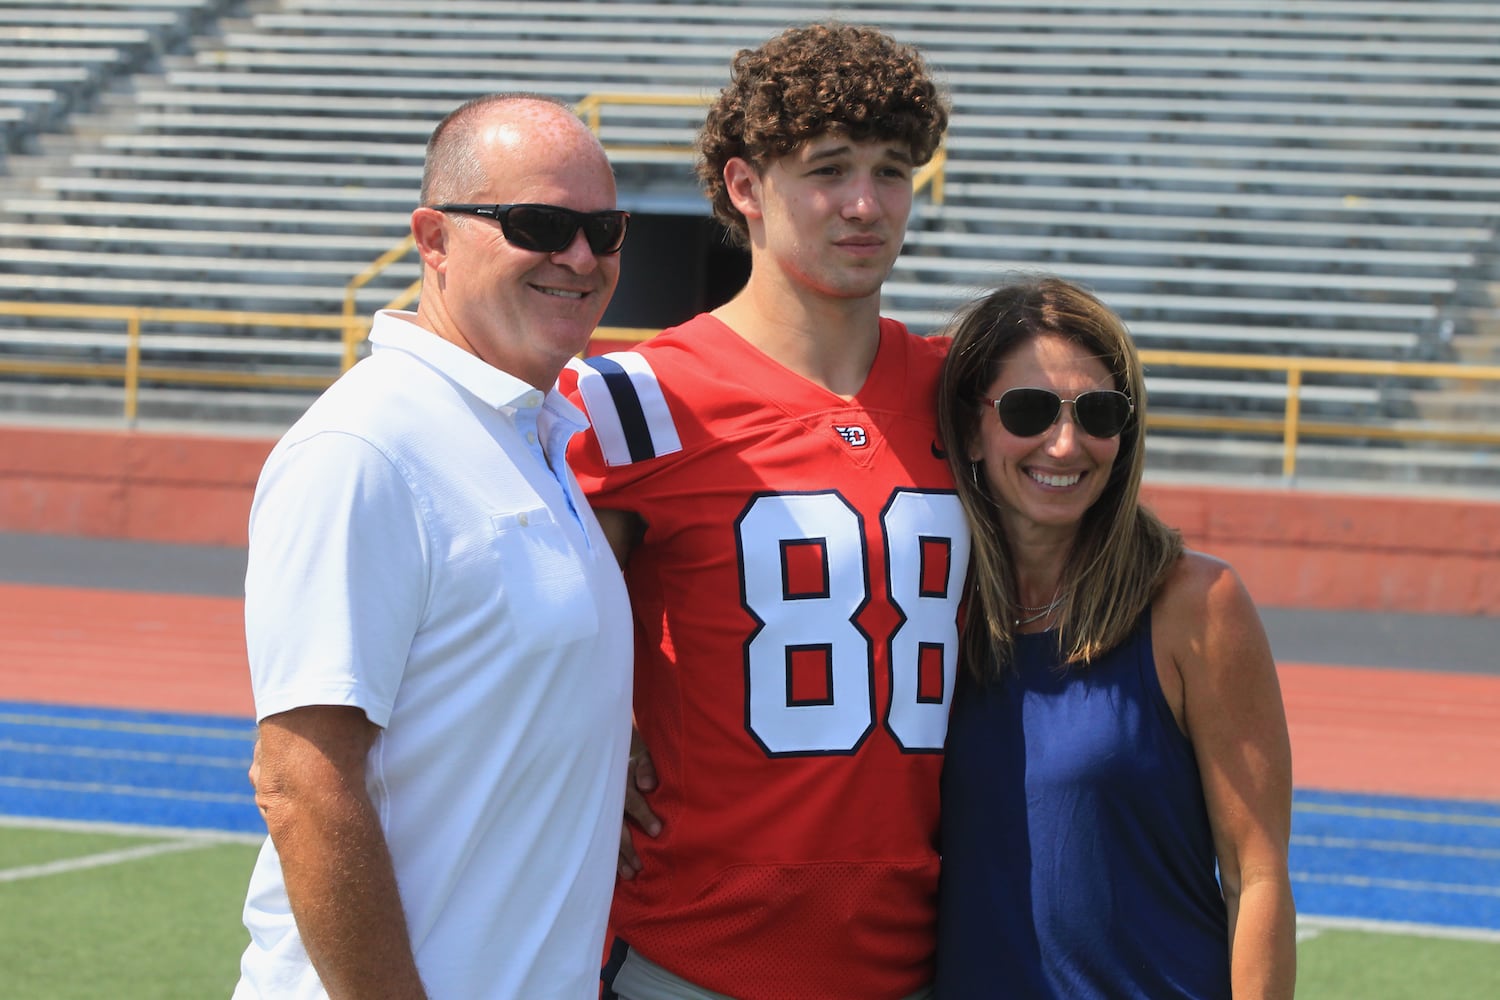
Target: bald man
x=439 y=637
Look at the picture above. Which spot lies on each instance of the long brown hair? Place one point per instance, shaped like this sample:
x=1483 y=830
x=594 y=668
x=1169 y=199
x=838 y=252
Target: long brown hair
x=1122 y=552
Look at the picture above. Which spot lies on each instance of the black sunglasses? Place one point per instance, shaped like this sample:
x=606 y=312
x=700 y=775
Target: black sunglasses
x=551 y=228
x=1027 y=412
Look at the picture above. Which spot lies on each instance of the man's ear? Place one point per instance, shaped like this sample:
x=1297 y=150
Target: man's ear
x=429 y=230
x=742 y=182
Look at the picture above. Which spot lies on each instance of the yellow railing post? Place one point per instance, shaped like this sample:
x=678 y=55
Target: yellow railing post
x=931 y=175
x=133 y=370
x=588 y=110
x=1293 y=415
x=1289 y=426
x=353 y=323
x=132 y=366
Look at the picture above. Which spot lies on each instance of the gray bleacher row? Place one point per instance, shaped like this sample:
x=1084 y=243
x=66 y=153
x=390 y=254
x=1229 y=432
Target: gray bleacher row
x=927 y=25
x=419 y=57
x=324 y=125
x=1313 y=176
x=761 y=18
x=55 y=57
x=1049 y=104
x=1013 y=36
x=1466 y=10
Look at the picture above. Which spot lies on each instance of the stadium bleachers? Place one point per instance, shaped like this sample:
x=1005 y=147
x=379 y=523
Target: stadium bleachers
x=56 y=55
x=1312 y=177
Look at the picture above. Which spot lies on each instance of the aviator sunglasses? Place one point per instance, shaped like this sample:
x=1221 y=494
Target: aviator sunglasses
x=551 y=228
x=1027 y=412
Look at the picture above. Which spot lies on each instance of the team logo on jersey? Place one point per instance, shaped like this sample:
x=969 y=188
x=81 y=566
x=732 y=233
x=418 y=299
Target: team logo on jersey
x=854 y=435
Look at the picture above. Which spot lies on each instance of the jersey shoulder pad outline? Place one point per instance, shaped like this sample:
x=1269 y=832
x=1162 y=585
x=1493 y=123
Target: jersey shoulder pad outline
x=626 y=407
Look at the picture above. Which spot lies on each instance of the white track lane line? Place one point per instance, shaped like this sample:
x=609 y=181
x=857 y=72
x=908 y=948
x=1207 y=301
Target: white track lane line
x=139 y=756
x=245 y=731
x=101 y=788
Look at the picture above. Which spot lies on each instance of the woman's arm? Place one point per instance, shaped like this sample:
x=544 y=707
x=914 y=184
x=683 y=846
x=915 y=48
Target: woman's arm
x=1229 y=705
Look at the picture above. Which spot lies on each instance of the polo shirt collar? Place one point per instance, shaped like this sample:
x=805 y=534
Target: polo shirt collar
x=398 y=330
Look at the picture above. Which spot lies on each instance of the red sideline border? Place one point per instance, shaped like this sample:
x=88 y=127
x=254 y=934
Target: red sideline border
x=1294 y=548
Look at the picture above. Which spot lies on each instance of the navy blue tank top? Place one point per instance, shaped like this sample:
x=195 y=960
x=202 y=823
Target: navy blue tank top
x=1077 y=856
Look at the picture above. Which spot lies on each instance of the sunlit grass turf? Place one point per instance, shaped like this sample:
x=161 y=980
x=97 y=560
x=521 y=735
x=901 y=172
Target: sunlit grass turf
x=160 y=927
x=1356 y=965
x=167 y=927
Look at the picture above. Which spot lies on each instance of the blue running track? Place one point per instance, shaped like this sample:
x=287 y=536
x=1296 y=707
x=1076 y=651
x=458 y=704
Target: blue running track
x=1425 y=861
x=107 y=765
x=1360 y=857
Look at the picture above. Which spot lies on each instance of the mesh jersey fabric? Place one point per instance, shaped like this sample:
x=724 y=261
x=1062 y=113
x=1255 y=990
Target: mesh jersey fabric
x=1078 y=861
x=794 y=595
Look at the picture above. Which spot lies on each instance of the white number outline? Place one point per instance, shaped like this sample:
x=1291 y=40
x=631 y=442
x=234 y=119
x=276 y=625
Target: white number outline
x=840 y=725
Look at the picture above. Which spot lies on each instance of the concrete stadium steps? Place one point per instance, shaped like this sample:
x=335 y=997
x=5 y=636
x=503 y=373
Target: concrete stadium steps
x=1293 y=176
x=56 y=57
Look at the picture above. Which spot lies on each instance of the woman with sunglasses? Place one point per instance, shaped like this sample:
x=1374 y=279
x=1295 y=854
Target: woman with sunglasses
x=1117 y=786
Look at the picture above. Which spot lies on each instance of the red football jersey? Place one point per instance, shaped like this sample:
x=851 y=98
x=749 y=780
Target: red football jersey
x=795 y=595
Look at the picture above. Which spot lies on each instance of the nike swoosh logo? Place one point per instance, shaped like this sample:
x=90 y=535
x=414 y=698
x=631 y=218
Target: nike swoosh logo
x=939 y=453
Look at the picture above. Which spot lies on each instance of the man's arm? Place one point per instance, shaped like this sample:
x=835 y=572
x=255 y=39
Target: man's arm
x=309 y=779
x=623 y=529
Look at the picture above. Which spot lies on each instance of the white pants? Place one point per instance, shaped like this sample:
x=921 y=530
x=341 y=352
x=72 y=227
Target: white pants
x=640 y=978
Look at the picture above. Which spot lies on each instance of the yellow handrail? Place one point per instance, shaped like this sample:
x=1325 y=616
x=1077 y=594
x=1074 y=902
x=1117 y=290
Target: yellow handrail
x=590 y=108
x=133 y=371
x=353 y=330
x=931 y=174
x=1291 y=427
x=354 y=327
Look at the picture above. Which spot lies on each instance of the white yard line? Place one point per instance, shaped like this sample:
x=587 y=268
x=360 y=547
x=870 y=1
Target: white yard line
x=130 y=830
x=100 y=860
x=179 y=839
x=1309 y=927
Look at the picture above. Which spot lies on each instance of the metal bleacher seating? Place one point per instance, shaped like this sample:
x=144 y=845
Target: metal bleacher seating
x=1309 y=177
x=56 y=55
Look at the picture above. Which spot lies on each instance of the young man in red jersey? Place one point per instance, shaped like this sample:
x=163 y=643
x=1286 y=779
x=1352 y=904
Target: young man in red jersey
x=794 y=552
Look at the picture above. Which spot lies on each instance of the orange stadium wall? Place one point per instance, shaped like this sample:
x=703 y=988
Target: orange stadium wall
x=1294 y=549
x=128 y=485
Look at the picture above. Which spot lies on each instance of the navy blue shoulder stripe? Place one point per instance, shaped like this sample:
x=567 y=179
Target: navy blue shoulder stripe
x=626 y=407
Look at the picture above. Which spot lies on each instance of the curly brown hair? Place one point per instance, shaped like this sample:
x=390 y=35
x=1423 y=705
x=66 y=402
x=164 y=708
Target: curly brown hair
x=806 y=81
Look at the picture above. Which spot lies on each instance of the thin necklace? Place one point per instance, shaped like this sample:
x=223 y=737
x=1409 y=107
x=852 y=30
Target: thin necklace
x=1039 y=613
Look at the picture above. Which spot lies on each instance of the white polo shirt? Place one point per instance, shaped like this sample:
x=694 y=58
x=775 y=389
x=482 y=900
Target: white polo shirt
x=413 y=555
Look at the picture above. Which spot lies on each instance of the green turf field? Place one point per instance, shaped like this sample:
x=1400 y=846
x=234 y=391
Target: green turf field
x=156 y=917
x=1351 y=965
x=90 y=915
